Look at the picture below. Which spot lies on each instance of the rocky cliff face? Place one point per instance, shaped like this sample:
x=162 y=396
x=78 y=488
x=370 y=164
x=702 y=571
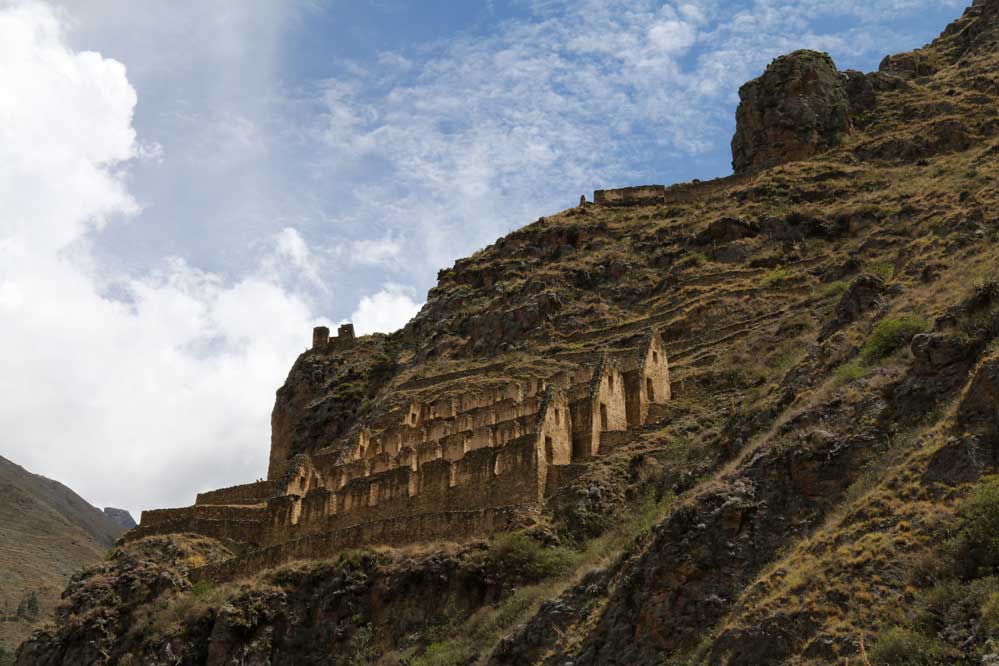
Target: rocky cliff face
x=817 y=492
x=120 y=517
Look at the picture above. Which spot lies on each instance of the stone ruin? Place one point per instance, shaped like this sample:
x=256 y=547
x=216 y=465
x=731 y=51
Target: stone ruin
x=641 y=195
x=452 y=468
x=344 y=337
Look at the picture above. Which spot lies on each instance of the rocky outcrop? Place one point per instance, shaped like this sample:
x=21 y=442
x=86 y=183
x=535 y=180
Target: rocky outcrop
x=862 y=295
x=139 y=607
x=323 y=394
x=979 y=410
x=120 y=517
x=797 y=108
x=973 y=449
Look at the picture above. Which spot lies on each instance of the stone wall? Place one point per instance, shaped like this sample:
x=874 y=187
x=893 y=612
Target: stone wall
x=641 y=195
x=250 y=493
x=445 y=526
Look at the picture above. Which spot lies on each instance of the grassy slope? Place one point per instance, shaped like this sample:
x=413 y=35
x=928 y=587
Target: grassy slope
x=47 y=532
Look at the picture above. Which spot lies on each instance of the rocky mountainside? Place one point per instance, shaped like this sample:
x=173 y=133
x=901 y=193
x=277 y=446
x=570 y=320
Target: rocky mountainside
x=47 y=532
x=818 y=491
x=120 y=517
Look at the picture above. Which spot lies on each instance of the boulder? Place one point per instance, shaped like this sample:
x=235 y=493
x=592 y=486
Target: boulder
x=979 y=410
x=737 y=252
x=725 y=230
x=908 y=65
x=935 y=353
x=859 y=90
x=862 y=294
x=797 y=108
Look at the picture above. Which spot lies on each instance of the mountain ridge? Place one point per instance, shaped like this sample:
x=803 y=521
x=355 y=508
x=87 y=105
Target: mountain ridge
x=47 y=532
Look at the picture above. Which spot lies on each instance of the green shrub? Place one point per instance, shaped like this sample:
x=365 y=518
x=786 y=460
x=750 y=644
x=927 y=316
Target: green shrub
x=990 y=616
x=202 y=589
x=978 y=542
x=891 y=335
x=849 y=372
x=520 y=556
x=883 y=269
x=447 y=653
x=832 y=289
x=6 y=657
x=903 y=647
x=941 y=606
x=694 y=259
x=776 y=277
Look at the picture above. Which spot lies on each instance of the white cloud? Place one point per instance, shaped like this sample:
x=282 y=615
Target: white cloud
x=145 y=398
x=385 y=311
x=672 y=36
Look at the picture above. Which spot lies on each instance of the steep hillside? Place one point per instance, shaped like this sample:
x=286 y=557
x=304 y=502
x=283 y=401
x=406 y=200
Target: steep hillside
x=47 y=533
x=817 y=490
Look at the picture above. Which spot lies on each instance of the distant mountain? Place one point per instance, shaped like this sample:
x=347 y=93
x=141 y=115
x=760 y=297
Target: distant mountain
x=47 y=532
x=121 y=517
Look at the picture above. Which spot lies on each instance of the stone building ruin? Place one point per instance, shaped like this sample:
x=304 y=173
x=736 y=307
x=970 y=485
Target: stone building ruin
x=453 y=467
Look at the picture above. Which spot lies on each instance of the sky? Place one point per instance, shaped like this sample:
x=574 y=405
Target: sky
x=188 y=187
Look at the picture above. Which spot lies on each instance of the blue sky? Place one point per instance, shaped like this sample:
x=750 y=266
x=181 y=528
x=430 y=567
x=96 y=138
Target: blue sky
x=193 y=185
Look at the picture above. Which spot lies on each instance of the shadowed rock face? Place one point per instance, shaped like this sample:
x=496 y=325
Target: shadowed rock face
x=799 y=107
x=120 y=517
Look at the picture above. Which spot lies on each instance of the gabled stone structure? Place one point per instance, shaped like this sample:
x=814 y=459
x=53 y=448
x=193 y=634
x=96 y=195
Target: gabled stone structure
x=448 y=468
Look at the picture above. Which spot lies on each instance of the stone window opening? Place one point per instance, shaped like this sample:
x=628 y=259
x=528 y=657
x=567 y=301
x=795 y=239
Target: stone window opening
x=556 y=417
x=610 y=382
x=655 y=357
x=603 y=416
x=412 y=418
x=549 y=450
x=650 y=391
x=301 y=483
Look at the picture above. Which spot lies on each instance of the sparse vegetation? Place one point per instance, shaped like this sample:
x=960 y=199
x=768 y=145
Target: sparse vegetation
x=27 y=609
x=977 y=546
x=883 y=269
x=461 y=644
x=777 y=277
x=849 y=372
x=519 y=555
x=961 y=608
x=832 y=290
x=903 y=647
x=890 y=335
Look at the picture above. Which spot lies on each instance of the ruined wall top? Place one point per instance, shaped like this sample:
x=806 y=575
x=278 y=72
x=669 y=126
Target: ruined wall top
x=641 y=195
x=344 y=336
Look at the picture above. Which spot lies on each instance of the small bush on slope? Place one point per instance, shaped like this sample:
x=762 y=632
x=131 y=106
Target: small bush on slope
x=904 y=647
x=891 y=335
x=977 y=546
x=519 y=555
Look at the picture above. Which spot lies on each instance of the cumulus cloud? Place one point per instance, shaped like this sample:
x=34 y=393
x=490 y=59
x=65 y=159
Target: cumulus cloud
x=385 y=311
x=137 y=391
